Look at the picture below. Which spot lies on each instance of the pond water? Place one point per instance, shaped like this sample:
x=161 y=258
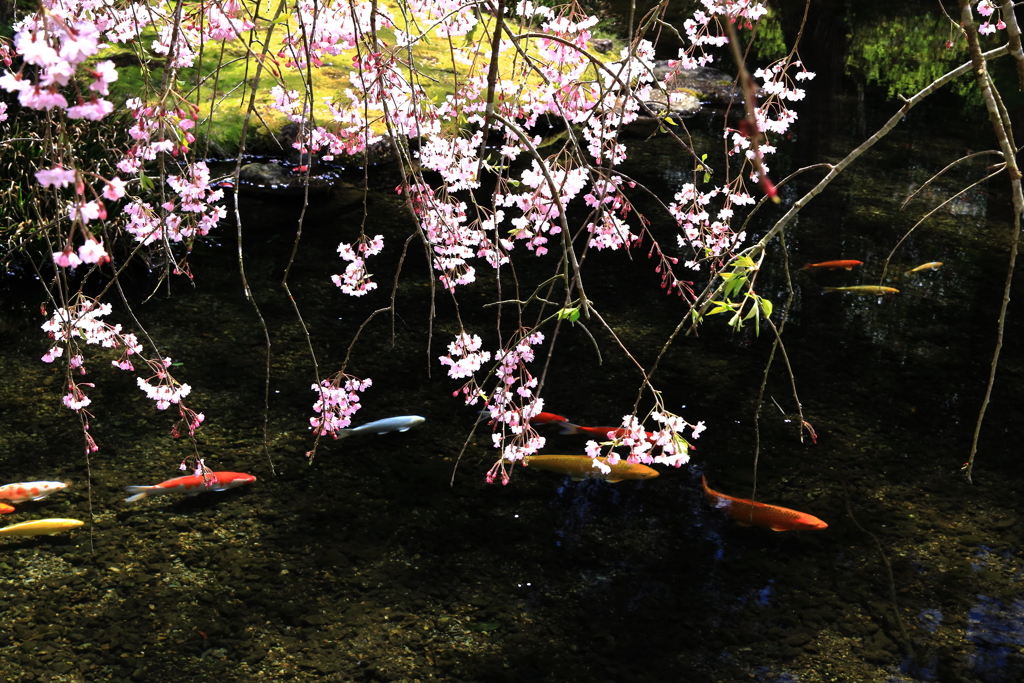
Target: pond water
x=373 y=563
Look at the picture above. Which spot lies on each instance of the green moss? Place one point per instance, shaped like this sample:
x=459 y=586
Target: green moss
x=229 y=91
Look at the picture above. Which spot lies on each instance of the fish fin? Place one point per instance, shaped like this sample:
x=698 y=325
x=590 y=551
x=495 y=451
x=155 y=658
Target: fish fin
x=139 y=491
x=614 y=481
x=569 y=428
x=831 y=289
x=849 y=267
x=775 y=528
x=743 y=523
x=401 y=430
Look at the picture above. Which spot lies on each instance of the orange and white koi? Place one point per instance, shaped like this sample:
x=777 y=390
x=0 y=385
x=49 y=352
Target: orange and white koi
x=39 y=527
x=30 y=490
x=751 y=513
x=582 y=467
x=924 y=266
x=191 y=485
x=832 y=265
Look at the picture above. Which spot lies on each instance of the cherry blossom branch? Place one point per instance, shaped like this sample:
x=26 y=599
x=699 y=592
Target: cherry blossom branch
x=1003 y=132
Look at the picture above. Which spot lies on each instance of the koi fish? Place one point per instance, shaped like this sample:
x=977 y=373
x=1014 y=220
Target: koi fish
x=832 y=265
x=30 y=490
x=402 y=423
x=6 y=509
x=538 y=419
x=605 y=433
x=547 y=419
x=582 y=467
x=191 y=485
x=925 y=266
x=864 y=289
x=751 y=513
x=39 y=527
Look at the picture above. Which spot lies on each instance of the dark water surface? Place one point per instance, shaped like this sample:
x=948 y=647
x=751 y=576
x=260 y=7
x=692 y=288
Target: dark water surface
x=369 y=565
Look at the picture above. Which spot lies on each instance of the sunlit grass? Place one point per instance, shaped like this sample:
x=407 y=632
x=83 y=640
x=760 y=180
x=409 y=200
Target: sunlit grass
x=221 y=81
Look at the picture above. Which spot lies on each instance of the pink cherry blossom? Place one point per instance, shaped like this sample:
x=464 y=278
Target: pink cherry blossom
x=55 y=177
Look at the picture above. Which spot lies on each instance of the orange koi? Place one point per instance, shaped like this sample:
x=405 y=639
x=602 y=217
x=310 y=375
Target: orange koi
x=547 y=419
x=191 y=485
x=582 y=467
x=30 y=490
x=864 y=289
x=751 y=513
x=604 y=433
x=832 y=265
x=6 y=509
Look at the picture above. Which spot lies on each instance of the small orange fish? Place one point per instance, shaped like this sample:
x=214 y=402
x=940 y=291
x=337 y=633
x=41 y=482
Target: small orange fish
x=864 y=289
x=832 y=265
x=582 y=467
x=6 y=509
x=924 y=266
x=751 y=513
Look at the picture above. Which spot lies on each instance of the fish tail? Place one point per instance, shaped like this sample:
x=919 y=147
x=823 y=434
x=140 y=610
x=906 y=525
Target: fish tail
x=806 y=267
x=139 y=492
x=831 y=289
x=569 y=428
x=343 y=433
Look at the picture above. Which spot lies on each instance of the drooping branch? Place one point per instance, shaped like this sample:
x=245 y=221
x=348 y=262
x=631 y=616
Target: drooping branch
x=1001 y=128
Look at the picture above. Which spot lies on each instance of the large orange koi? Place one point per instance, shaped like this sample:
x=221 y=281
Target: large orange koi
x=751 y=513
x=191 y=485
x=832 y=265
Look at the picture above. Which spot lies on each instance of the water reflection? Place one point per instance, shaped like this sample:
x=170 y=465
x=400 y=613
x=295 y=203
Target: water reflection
x=996 y=629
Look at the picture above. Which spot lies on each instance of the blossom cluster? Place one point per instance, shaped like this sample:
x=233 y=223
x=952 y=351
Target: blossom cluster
x=337 y=402
x=987 y=9
x=57 y=41
x=80 y=322
x=356 y=279
x=666 y=445
x=193 y=215
x=512 y=403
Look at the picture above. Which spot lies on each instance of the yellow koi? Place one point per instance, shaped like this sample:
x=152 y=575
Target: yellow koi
x=925 y=266
x=38 y=527
x=583 y=467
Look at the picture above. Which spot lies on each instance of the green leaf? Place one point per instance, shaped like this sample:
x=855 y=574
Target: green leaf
x=734 y=285
x=570 y=314
x=146 y=182
x=767 y=306
x=669 y=121
x=720 y=307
